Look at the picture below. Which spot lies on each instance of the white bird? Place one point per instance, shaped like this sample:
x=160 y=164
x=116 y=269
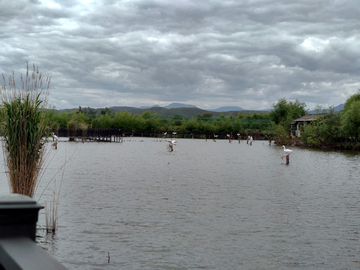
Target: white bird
x=171 y=145
x=287 y=151
x=215 y=136
x=54 y=136
x=174 y=133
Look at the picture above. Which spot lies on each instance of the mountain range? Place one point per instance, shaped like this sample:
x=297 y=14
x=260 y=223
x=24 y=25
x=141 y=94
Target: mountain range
x=338 y=108
x=185 y=110
x=225 y=109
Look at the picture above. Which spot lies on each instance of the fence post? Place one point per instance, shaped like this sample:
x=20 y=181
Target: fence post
x=18 y=216
x=18 y=249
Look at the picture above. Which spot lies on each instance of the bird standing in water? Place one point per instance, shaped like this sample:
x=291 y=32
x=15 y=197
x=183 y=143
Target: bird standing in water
x=171 y=145
x=56 y=140
x=287 y=151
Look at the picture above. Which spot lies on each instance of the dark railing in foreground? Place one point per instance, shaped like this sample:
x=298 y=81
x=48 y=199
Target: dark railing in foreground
x=18 y=249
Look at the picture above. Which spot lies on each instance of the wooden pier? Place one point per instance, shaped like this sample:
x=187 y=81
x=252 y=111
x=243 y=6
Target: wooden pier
x=91 y=134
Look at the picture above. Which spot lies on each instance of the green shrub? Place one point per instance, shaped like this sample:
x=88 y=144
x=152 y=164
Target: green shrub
x=25 y=130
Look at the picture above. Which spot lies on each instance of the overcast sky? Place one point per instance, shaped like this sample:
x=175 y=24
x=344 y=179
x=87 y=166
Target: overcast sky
x=246 y=53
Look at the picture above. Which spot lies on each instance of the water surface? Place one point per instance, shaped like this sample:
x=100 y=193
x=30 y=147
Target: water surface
x=207 y=205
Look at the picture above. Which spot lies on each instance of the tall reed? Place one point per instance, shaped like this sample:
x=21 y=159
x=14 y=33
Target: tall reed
x=51 y=215
x=24 y=128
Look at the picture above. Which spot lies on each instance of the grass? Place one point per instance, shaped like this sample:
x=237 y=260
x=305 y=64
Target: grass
x=51 y=209
x=24 y=128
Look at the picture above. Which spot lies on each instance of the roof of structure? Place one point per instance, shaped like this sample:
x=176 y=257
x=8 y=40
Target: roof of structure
x=306 y=118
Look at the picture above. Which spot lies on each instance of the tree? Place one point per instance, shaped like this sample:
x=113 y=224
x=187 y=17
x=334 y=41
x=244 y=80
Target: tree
x=105 y=111
x=285 y=111
x=102 y=121
x=351 y=120
x=89 y=110
x=281 y=135
x=204 y=115
x=80 y=111
x=240 y=115
x=354 y=98
x=61 y=118
x=329 y=123
x=177 y=120
x=351 y=116
x=146 y=113
x=191 y=125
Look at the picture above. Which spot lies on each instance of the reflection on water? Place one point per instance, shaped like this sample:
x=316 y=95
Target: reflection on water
x=207 y=205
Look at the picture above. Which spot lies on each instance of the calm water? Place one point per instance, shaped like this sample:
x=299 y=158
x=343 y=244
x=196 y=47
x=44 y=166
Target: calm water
x=206 y=205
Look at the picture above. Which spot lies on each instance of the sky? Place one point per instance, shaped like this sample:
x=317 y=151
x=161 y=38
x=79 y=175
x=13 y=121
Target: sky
x=210 y=53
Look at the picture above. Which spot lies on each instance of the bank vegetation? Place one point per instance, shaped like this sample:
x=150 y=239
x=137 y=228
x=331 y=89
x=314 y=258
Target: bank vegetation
x=332 y=129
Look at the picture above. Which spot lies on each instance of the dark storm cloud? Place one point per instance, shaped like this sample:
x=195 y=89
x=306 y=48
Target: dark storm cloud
x=205 y=53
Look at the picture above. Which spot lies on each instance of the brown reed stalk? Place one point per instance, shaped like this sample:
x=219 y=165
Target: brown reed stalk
x=24 y=127
x=51 y=212
x=51 y=215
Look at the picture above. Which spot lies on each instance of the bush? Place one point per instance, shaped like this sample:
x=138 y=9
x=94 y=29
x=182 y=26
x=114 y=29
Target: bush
x=24 y=128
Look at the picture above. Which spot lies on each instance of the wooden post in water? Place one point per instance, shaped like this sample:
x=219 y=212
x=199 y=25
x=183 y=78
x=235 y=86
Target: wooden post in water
x=287 y=159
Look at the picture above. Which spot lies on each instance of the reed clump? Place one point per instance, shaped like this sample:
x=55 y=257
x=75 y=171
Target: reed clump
x=24 y=129
x=51 y=215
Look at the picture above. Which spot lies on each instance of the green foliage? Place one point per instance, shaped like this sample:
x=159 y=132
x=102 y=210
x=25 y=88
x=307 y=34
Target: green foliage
x=191 y=125
x=351 y=122
x=331 y=128
x=240 y=115
x=24 y=126
x=238 y=126
x=310 y=136
x=224 y=126
x=89 y=110
x=351 y=116
x=146 y=113
x=61 y=119
x=285 y=111
x=106 y=111
x=281 y=135
x=205 y=115
x=103 y=121
x=325 y=130
x=177 y=120
x=354 y=98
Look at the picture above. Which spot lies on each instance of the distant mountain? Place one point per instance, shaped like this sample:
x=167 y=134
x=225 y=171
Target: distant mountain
x=337 y=108
x=148 y=107
x=228 y=109
x=179 y=105
x=172 y=109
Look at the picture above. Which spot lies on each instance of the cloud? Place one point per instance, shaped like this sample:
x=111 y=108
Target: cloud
x=209 y=54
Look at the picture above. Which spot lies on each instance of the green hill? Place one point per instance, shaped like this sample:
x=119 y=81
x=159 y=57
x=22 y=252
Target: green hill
x=161 y=111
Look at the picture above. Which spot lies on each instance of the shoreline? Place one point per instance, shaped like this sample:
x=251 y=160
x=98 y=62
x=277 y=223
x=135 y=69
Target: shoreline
x=336 y=146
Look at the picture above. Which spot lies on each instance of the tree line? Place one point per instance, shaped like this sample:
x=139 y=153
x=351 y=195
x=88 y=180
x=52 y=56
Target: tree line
x=202 y=123
x=331 y=129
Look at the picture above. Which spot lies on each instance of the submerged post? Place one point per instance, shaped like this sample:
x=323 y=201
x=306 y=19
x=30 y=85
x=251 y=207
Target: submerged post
x=18 y=249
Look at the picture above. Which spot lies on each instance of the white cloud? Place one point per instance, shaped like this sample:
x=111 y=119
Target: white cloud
x=214 y=53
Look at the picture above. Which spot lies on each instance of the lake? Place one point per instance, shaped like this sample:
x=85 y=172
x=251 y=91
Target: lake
x=206 y=205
